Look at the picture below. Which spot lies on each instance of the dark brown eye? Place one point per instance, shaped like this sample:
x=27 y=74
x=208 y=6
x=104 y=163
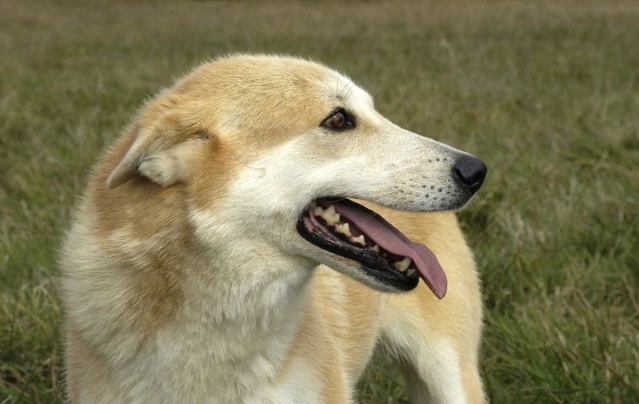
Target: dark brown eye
x=339 y=120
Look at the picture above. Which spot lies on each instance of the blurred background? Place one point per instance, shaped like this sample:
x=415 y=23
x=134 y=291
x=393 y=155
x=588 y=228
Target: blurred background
x=545 y=92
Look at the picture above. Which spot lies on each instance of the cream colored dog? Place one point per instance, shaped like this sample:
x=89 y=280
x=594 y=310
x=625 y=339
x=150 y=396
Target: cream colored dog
x=191 y=274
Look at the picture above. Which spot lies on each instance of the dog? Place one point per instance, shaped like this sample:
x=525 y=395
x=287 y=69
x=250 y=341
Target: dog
x=255 y=233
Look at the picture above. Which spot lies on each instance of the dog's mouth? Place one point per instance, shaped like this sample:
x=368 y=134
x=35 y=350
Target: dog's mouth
x=350 y=230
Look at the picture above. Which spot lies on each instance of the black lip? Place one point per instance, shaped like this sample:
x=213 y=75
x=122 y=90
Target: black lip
x=373 y=264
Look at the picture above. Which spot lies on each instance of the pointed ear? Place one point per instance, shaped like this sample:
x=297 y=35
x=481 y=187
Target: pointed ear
x=159 y=152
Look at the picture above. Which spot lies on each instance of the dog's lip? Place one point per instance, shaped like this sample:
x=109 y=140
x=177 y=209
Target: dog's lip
x=389 y=238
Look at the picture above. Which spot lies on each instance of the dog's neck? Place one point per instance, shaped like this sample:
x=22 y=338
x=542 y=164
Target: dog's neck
x=251 y=291
x=253 y=279
x=246 y=310
x=255 y=285
x=240 y=303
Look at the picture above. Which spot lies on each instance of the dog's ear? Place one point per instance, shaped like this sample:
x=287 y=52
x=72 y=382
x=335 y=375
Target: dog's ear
x=160 y=151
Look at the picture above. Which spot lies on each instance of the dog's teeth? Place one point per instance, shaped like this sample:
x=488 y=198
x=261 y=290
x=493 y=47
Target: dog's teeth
x=403 y=265
x=343 y=228
x=359 y=240
x=374 y=248
x=410 y=272
x=318 y=210
x=330 y=215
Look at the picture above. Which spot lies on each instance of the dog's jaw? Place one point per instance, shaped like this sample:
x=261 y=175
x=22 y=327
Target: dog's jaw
x=350 y=230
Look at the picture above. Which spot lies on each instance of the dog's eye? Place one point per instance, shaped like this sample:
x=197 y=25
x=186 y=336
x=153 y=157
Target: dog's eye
x=338 y=121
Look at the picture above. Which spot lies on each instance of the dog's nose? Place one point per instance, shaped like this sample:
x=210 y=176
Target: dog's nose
x=471 y=171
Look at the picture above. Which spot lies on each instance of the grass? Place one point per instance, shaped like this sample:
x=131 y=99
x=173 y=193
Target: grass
x=546 y=92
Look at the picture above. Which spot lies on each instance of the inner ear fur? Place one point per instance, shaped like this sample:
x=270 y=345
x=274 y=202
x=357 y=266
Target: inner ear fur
x=160 y=151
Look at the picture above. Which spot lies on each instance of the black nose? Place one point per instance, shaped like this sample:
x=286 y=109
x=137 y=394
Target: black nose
x=471 y=171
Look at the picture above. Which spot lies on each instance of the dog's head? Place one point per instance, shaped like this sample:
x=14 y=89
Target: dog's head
x=269 y=148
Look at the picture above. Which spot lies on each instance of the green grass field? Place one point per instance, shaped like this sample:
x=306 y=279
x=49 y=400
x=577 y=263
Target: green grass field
x=545 y=92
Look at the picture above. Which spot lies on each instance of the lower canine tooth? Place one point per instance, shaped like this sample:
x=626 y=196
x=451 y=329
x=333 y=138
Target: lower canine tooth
x=318 y=210
x=374 y=248
x=410 y=272
x=343 y=228
x=358 y=240
x=403 y=265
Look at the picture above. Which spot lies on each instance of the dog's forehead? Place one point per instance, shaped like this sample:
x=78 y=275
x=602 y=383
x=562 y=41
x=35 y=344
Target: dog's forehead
x=350 y=95
x=274 y=96
x=281 y=78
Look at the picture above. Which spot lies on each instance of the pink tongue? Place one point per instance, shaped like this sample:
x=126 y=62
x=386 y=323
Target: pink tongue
x=393 y=241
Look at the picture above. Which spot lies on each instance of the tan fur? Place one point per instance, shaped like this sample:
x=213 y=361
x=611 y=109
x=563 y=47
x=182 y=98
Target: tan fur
x=185 y=281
